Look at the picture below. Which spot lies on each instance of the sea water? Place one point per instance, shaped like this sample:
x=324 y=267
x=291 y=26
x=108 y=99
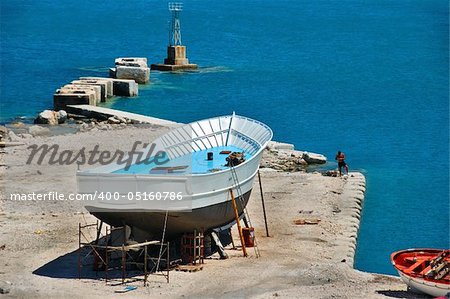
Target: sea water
x=369 y=78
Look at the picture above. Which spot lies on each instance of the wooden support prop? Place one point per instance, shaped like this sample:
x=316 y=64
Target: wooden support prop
x=236 y=215
x=263 y=206
x=124 y=261
x=231 y=237
x=79 y=250
x=145 y=265
x=99 y=231
x=168 y=261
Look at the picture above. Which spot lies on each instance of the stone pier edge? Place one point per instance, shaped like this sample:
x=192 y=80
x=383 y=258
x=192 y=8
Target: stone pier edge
x=351 y=204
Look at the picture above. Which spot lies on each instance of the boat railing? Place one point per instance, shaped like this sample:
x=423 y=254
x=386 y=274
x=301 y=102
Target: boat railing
x=247 y=134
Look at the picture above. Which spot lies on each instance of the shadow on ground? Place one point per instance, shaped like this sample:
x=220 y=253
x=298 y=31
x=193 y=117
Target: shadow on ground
x=66 y=266
x=403 y=294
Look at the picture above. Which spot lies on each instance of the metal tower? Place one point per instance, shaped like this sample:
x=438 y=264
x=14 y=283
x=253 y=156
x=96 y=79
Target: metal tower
x=175 y=27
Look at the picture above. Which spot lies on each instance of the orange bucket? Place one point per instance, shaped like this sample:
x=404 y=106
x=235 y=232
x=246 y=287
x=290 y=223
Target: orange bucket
x=249 y=236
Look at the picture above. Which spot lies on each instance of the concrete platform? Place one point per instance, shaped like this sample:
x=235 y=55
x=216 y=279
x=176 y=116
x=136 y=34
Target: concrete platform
x=121 y=87
x=105 y=113
x=173 y=67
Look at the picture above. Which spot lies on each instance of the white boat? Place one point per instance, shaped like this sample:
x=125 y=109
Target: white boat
x=202 y=185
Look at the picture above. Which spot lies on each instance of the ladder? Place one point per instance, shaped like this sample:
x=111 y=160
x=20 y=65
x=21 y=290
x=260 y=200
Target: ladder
x=240 y=197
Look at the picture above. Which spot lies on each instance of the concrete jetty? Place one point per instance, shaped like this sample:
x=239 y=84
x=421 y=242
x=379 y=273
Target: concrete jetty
x=105 y=113
x=134 y=68
x=121 y=87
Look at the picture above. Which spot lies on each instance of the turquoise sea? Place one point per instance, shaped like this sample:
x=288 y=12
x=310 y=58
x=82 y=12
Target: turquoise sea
x=369 y=78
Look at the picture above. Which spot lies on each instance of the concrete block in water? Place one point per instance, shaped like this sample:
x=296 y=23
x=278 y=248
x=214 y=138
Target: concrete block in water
x=121 y=87
x=139 y=74
x=102 y=83
x=109 y=86
x=126 y=88
x=134 y=68
x=69 y=88
x=78 y=97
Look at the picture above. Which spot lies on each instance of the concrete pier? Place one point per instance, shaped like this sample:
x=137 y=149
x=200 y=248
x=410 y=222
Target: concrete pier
x=134 y=68
x=121 y=87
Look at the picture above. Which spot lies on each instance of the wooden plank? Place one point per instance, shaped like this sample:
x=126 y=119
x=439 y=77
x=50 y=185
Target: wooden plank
x=128 y=247
x=189 y=268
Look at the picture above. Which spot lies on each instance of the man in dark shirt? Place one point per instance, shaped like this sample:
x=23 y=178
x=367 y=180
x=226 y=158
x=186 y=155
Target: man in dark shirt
x=340 y=157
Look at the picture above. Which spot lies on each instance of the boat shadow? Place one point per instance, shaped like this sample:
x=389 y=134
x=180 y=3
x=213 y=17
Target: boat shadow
x=403 y=294
x=66 y=266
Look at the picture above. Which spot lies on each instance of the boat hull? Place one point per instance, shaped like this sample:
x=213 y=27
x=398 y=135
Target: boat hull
x=201 y=219
x=211 y=205
x=431 y=288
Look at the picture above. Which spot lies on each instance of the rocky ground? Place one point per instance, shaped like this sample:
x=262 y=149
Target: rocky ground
x=38 y=239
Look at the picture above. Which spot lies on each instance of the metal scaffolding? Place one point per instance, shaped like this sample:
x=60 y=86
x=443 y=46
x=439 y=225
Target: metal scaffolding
x=136 y=255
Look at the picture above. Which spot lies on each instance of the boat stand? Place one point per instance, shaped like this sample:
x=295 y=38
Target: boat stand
x=263 y=205
x=220 y=248
x=193 y=248
x=104 y=254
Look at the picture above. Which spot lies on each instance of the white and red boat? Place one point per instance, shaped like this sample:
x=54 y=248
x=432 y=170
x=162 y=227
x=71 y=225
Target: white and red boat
x=424 y=270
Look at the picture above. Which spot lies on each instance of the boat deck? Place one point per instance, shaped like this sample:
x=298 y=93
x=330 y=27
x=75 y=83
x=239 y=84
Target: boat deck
x=194 y=163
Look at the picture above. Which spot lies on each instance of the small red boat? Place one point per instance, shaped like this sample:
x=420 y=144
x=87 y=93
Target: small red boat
x=425 y=270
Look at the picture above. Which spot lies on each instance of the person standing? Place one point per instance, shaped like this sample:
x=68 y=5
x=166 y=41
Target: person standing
x=340 y=157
